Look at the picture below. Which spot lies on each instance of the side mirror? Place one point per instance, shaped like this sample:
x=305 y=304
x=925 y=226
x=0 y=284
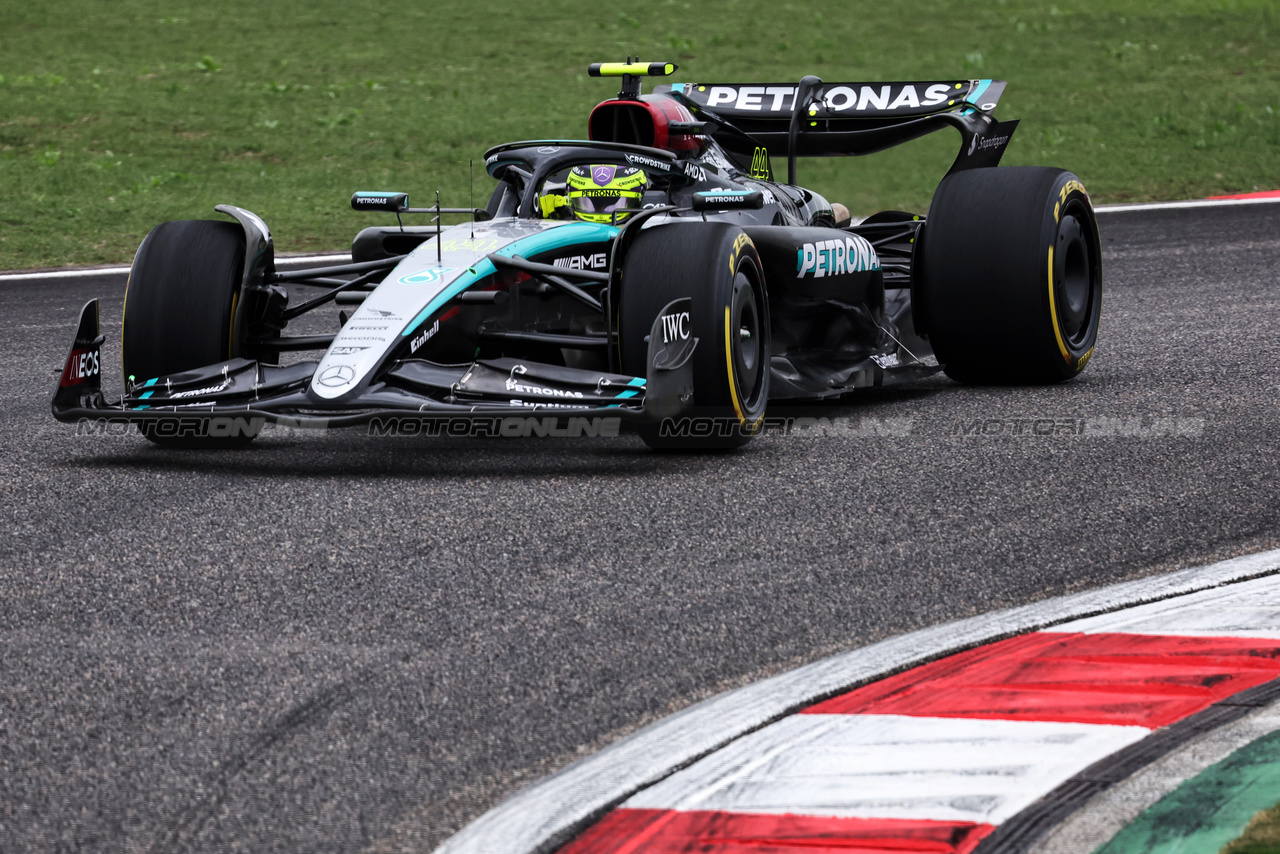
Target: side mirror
x=727 y=200
x=389 y=202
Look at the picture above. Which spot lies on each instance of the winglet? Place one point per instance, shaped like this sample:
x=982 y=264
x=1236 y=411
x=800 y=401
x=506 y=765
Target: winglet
x=81 y=382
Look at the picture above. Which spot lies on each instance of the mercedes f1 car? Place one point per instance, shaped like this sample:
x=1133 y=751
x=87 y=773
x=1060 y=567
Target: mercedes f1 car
x=657 y=272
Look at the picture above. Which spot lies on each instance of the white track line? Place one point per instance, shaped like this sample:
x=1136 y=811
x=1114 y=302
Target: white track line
x=90 y=272
x=547 y=814
x=81 y=272
x=1169 y=206
x=1246 y=610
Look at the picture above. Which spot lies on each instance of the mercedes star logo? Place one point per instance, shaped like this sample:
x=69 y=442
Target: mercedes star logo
x=337 y=375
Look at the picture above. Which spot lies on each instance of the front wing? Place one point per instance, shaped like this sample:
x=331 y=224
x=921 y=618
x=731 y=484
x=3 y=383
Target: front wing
x=239 y=391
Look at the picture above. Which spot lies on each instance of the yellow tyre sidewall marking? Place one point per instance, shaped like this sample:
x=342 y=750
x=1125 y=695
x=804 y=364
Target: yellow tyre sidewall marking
x=741 y=242
x=1066 y=190
x=728 y=359
x=1053 y=314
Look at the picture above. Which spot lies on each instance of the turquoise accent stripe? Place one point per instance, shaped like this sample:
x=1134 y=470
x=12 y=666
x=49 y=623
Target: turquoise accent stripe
x=977 y=93
x=151 y=381
x=725 y=192
x=677 y=87
x=636 y=384
x=380 y=195
x=142 y=407
x=146 y=394
x=558 y=238
x=457 y=286
x=534 y=244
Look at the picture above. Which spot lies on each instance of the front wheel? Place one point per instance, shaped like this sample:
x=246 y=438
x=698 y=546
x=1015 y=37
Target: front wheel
x=715 y=264
x=1009 y=275
x=180 y=303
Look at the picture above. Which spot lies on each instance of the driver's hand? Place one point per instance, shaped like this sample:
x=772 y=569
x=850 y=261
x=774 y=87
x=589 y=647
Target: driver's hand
x=551 y=204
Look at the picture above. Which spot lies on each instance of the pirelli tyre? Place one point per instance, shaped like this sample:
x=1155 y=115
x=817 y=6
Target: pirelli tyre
x=179 y=304
x=716 y=265
x=1008 y=277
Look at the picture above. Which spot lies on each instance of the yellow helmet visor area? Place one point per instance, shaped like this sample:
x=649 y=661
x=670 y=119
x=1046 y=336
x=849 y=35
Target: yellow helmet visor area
x=604 y=201
x=604 y=192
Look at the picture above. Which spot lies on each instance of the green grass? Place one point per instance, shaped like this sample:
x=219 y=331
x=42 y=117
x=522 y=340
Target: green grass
x=1262 y=836
x=118 y=114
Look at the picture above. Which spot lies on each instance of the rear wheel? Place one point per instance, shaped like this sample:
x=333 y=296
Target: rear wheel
x=717 y=266
x=1009 y=276
x=180 y=301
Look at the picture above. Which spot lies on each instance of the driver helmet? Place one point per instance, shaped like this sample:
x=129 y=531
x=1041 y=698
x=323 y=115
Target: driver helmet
x=596 y=193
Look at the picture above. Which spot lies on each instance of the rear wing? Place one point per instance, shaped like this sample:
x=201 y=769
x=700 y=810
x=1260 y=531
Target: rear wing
x=817 y=119
x=828 y=101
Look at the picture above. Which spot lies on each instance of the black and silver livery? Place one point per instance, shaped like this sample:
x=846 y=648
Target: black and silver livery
x=729 y=288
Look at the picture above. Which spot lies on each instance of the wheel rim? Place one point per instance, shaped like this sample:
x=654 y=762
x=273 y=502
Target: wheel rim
x=1075 y=278
x=745 y=325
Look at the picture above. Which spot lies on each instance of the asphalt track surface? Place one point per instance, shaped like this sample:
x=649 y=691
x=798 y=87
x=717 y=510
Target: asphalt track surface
x=337 y=642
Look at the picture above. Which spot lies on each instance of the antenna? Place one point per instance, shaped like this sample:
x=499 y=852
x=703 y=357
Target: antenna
x=471 y=167
x=439 y=259
x=630 y=84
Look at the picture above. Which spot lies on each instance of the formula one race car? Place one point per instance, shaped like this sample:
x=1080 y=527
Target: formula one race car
x=656 y=273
